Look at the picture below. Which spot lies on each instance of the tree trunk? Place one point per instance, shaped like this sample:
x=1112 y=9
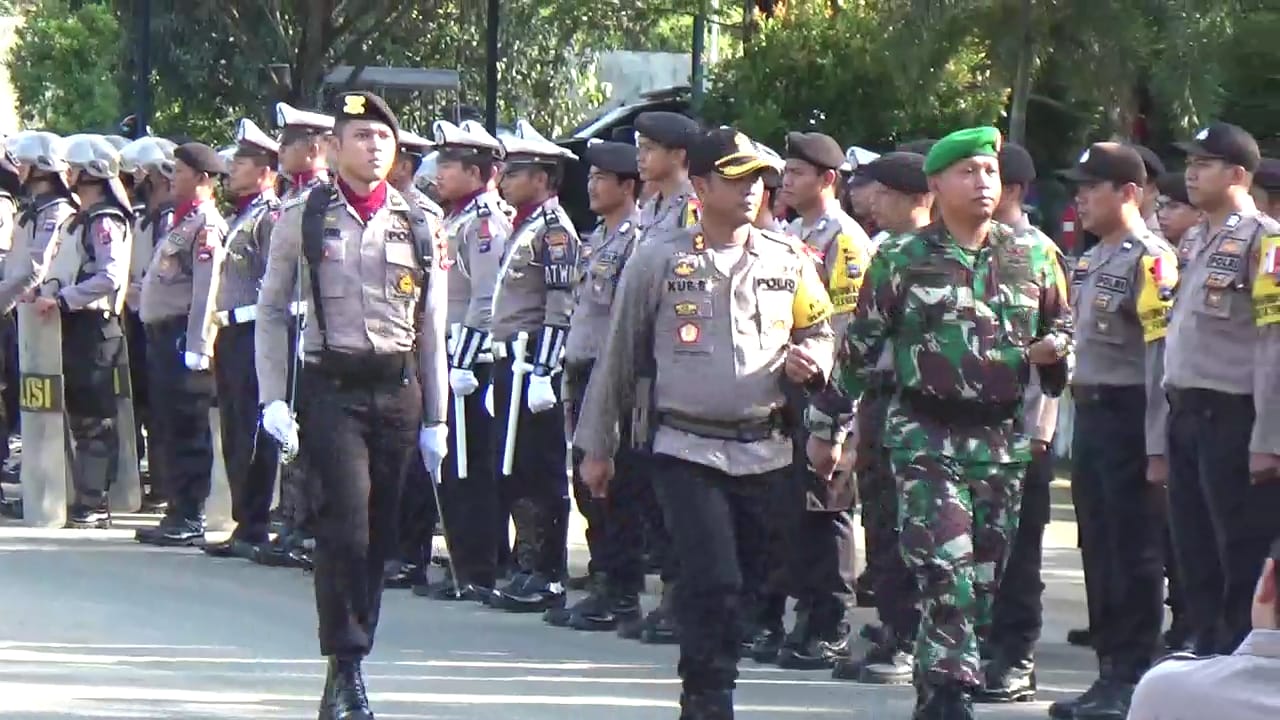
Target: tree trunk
x=1022 y=75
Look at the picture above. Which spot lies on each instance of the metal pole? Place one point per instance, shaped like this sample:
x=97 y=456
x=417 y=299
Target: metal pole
x=491 y=69
x=698 y=73
x=142 y=111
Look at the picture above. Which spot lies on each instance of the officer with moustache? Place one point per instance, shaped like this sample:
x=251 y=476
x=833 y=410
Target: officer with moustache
x=374 y=378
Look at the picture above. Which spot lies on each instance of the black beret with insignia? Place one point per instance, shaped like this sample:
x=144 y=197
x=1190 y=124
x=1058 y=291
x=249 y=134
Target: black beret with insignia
x=1016 y=165
x=201 y=158
x=900 y=171
x=821 y=151
x=363 y=105
x=668 y=129
x=615 y=157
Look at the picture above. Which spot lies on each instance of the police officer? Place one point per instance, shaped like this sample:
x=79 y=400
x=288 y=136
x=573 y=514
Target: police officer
x=614 y=531
x=179 y=299
x=49 y=204
x=10 y=192
x=362 y=257
x=1154 y=167
x=413 y=148
x=685 y=300
x=10 y=195
x=1266 y=186
x=250 y=457
x=533 y=299
x=476 y=228
x=901 y=204
x=662 y=141
x=154 y=165
x=1224 y=421
x=953 y=428
x=1017 y=616
x=303 y=149
x=1175 y=213
x=86 y=283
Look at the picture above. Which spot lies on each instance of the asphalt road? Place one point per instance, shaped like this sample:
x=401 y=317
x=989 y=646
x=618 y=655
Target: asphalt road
x=93 y=625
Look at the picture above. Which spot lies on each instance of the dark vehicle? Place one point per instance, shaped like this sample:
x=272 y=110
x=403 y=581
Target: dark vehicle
x=612 y=124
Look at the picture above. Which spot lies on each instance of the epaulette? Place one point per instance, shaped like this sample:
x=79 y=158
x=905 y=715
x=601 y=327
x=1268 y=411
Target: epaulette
x=552 y=217
x=782 y=238
x=482 y=209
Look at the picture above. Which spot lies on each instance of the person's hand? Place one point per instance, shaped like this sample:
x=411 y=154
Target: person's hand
x=463 y=382
x=1157 y=469
x=823 y=456
x=800 y=366
x=433 y=442
x=1039 y=448
x=1264 y=468
x=195 y=362
x=279 y=424
x=542 y=395
x=1043 y=352
x=596 y=474
x=45 y=306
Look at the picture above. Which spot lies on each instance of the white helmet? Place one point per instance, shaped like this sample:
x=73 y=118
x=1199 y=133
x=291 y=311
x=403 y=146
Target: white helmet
x=41 y=151
x=95 y=156
x=154 y=154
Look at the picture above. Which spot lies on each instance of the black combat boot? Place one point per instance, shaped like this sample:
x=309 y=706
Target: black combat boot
x=620 y=607
x=538 y=594
x=659 y=626
x=947 y=702
x=860 y=649
x=707 y=705
x=345 y=697
x=597 y=600
x=1007 y=681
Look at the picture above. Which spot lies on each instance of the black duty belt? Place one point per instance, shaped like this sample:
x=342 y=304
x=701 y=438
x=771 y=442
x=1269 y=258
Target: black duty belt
x=748 y=431
x=363 y=369
x=1090 y=394
x=958 y=412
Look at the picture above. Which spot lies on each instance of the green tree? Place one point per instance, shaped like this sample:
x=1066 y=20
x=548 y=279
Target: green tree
x=64 y=67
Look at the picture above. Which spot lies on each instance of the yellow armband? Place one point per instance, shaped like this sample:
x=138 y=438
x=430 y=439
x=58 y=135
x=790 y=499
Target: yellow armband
x=846 y=277
x=1158 y=280
x=1266 y=285
x=811 y=304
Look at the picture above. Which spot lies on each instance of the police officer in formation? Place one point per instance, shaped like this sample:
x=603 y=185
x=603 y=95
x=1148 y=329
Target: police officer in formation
x=614 y=524
x=720 y=442
x=303 y=149
x=50 y=204
x=476 y=231
x=531 y=306
x=250 y=457
x=178 y=304
x=374 y=379
x=1266 y=186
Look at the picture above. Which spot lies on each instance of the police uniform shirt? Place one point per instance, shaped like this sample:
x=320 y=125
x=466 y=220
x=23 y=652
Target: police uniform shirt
x=845 y=251
x=1240 y=686
x=720 y=329
x=149 y=228
x=182 y=280
x=8 y=223
x=534 y=286
x=661 y=214
x=477 y=236
x=597 y=286
x=248 y=245
x=1120 y=295
x=1224 y=331
x=34 y=245
x=371 y=277
x=419 y=198
x=91 y=267
x=293 y=192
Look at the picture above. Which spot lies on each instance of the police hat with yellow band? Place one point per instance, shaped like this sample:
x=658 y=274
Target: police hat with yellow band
x=527 y=147
x=252 y=141
x=364 y=105
x=962 y=145
x=729 y=154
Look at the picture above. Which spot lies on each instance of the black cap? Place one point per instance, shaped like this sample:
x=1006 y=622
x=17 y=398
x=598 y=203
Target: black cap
x=623 y=135
x=1225 y=141
x=1155 y=166
x=668 y=129
x=1016 y=165
x=728 y=153
x=1108 y=162
x=615 y=157
x=1174 y=186
x=821 y=151
x=200 y=157
x=900 y=171
x=363 y=105
x=1267 y=176
x=921 y=146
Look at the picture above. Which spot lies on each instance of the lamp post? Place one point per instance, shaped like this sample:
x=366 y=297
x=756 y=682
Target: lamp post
x=142 y=110
x=491 y=69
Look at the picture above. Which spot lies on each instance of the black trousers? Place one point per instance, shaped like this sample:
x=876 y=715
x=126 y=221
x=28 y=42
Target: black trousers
x=537 y=492
x=717 y=523
x=475 y=517
x=1122 y=523
x=1018 y=614
x=92 y=343
x=182 y=451
x=9 y=412
x=1223 y=524
x=250 y=455
x=360 y=438
x=135 y=335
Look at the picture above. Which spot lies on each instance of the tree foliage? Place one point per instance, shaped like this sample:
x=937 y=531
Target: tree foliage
x=63 y=67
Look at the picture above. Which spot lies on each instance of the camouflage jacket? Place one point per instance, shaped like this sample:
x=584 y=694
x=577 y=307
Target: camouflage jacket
x=960 y=323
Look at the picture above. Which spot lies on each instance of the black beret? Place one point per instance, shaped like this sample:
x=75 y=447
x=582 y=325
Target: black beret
x=1267 y=176
x=1174 y=186
x=615 y=157
x=819 y=150
x=1108 y=162
x=363 y=105
x=668 y=129
x=200 y=157
x=1155 y=166
x=900 y=171
x=1016 y=166
x=921 y=146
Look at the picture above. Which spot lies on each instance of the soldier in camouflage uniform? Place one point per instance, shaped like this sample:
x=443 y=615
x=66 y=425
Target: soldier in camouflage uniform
x=969 y=307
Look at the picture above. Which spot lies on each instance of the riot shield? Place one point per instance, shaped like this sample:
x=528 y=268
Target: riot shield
x=126 y=491
x=217 y=509
x=46 y=475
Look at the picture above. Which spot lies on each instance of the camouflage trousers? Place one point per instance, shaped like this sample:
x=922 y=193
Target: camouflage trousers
x=957 y=520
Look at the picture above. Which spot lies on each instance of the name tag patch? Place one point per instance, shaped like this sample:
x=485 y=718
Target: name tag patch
x=687 y=286
x=780 y=284
x=1222 y=261
x=1114 y=283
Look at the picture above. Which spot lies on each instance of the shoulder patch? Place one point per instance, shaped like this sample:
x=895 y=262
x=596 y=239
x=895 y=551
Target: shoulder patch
x=482 y=210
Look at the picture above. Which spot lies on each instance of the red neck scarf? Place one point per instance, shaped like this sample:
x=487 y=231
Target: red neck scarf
x=304 y=178
x=365 y=205
x=461 y=203
x=245 y=201
x=524 y=211
x=184 y=208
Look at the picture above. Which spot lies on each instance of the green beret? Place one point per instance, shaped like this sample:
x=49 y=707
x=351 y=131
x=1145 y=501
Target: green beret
x=962 y=145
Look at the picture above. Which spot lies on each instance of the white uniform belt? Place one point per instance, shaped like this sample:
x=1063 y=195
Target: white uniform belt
x=249 y=313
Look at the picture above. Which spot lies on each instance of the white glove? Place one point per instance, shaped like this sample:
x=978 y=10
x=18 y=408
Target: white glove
x=433 y=441
x=463 y=382
x=279 y=424
x=542 y=396
x=195 y=361
x=488 y=400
